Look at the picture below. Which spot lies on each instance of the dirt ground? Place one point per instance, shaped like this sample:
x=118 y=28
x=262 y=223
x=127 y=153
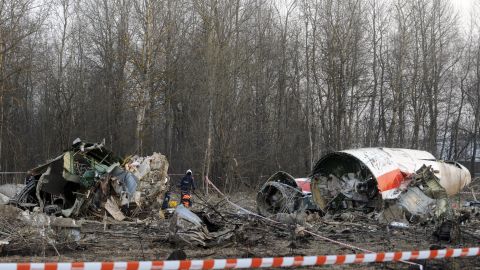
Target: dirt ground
x=147 y=240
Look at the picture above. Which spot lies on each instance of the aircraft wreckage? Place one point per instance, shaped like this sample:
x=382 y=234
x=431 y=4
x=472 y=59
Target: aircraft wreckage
x=88 y=179
x=401 y=184
x=282 y=193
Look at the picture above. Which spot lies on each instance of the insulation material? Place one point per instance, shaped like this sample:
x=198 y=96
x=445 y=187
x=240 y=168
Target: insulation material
x=151 y=172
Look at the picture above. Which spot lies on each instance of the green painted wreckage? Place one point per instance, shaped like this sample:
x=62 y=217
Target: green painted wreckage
x=87 y=178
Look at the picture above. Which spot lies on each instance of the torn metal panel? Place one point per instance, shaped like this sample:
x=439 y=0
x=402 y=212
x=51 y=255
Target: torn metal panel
x=187 y=228
x=416 y=202
x=453 y=176
x=282 y=193
x=427 y=180
x=52 y=180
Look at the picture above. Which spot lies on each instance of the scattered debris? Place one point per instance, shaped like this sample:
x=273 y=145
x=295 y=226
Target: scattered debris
x=105 y=206
x=292 y=218
x=405 y=185
x=205 y=229
x=24 y=231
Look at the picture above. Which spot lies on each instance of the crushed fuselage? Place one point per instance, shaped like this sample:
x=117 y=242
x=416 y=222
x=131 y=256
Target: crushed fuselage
x=88 y=178
x=403 y=185
x=362 y=175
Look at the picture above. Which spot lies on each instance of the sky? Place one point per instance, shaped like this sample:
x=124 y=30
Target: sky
x=464 y=8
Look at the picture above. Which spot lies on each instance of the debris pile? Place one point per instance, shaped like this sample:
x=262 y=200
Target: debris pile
x=89 y=179
x=372 y=178
x=282 y=193
x=207 y=227
x=402 y=185
x=187 y=228
x=152 y=172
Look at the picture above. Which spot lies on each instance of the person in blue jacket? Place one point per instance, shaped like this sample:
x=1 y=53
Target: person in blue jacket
x=187 y=185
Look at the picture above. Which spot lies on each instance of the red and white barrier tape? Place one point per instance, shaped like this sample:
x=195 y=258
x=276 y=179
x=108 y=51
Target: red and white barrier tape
x=250 y=262
x=305 y=230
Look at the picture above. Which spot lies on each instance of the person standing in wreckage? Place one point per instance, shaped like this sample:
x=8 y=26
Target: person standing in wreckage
x=187 y=185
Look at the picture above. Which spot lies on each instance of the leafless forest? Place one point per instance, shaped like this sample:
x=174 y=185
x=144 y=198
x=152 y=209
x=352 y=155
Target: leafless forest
x=236 y=89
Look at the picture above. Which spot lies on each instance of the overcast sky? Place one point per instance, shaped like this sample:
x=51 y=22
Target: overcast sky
x=464 y=8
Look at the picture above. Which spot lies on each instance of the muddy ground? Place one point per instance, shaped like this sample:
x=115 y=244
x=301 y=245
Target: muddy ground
x=109 y=240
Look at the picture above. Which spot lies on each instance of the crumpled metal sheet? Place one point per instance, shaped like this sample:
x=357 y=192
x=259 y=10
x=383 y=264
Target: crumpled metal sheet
x=282 y=193
x=427 y=179
x=184 y=213
x=416 y=202
x=424 y=199
x=187 y=228
x=128 y=180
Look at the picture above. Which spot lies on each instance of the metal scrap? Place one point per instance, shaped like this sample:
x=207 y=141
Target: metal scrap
x=187 y=228
x=89 y=179
x=367 y=178
x=403 y=184
x=17 y=226
x=282 y=193
x=386 y=170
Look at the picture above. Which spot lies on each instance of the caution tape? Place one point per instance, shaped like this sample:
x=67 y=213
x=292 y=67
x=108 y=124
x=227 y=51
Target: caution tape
x=250 y=262
x=307 y=231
